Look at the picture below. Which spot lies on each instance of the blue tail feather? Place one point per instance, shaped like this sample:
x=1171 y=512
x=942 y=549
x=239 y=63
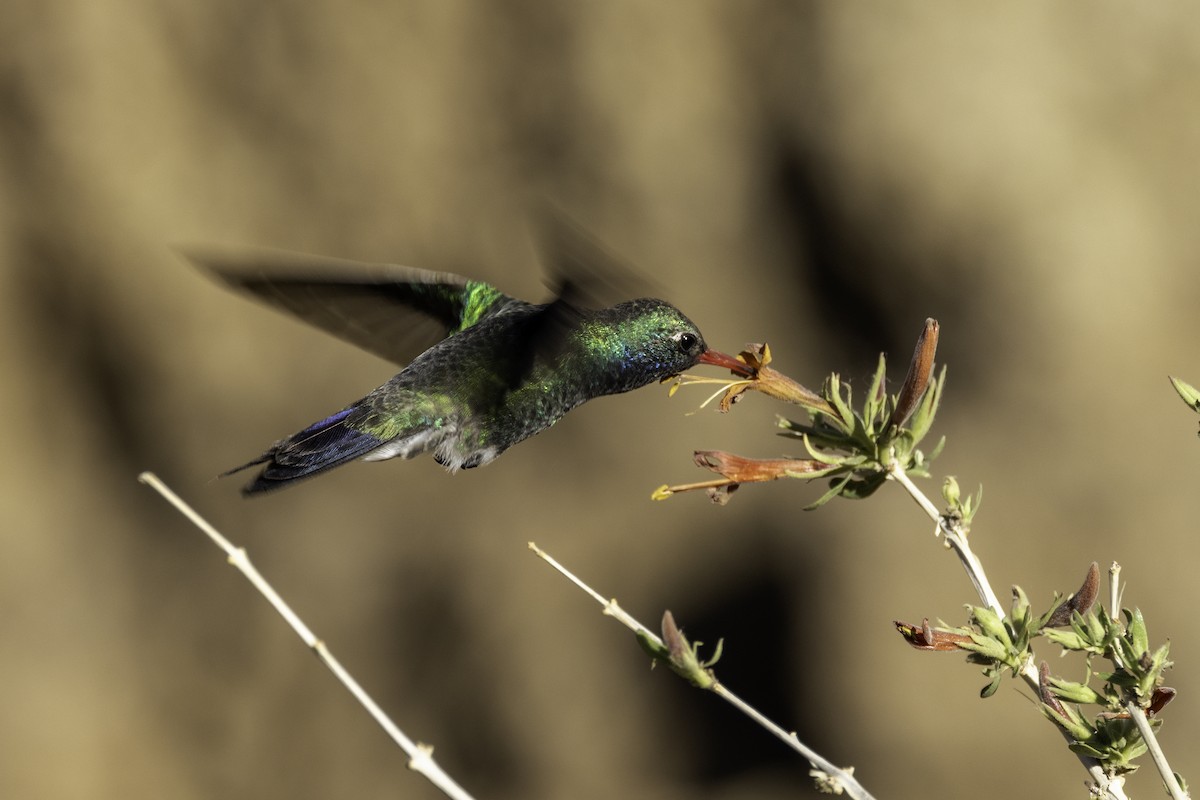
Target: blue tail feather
x=319 y=447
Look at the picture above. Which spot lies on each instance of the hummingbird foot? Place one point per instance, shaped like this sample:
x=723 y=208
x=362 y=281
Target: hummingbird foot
x=455 y=462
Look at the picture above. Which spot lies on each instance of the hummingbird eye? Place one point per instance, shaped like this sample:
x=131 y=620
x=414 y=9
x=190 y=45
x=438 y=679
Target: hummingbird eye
x=687 y=340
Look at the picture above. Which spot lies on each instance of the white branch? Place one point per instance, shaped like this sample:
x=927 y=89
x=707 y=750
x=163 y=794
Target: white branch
x=420 y=756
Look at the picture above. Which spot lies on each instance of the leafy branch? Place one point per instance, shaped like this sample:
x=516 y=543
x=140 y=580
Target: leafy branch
x=860 y=450
x=856 y=450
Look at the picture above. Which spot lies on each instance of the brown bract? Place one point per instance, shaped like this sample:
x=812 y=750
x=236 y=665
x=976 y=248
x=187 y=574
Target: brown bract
x=919 y=371
x=1079 y=602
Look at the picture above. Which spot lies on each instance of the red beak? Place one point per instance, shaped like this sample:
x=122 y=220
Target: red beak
x=718 y=359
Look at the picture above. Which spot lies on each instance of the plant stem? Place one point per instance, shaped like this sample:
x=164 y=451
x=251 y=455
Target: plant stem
x=953 y=533
x=420 y=756
x=1156 y=752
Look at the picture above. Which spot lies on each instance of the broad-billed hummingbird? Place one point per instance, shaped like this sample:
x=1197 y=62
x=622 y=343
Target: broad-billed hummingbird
x=484 y=370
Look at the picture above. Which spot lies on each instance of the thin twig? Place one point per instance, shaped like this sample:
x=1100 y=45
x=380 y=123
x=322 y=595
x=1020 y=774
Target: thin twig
x=955 y=537
x=420 y=756
x=1114 y=591
x=1103 y=785
x=833 y=778
x=1156 y=752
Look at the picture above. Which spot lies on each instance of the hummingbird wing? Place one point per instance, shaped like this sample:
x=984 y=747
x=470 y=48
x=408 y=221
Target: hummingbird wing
x=391 y=311
x=583 y=274
x=582 y=271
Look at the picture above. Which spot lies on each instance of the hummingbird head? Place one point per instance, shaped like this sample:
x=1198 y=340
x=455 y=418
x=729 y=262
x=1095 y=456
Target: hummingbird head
x=647 y=340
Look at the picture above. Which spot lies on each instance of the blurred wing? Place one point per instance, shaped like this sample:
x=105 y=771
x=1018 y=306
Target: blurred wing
x=394 y=312
x=583 y=274
x=581 y=270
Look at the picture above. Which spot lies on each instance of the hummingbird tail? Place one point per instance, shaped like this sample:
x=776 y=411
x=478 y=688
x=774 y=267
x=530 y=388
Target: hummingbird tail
x=319 y=447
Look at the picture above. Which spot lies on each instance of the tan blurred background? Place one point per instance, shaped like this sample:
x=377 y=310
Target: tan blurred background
x=821 y=176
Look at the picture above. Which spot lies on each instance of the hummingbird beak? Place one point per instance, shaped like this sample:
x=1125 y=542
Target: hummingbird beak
x=718 y=359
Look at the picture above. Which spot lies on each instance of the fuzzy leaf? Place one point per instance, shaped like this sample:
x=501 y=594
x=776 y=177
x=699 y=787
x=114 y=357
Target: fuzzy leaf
x=1187 y=392
x=950 y=492
x=1068 y=640
x=922 y=420
x=1074 y=692
x=992 y=625
x=1078 y=731
x=1135 y=627
x=873 y=405
x=839 y=403
x=993 y=685
x=987 y=647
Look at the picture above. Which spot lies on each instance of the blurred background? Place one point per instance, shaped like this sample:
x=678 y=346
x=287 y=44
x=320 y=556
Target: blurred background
x=820 y=176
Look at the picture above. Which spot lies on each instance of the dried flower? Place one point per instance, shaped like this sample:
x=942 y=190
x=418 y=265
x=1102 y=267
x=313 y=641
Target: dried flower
x=757 y=376
x=736 y=470
x=924 y=637
x=917 y=380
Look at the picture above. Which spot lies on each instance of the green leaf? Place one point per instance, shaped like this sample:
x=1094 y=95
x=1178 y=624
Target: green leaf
x=835 y=489
x=902 y=442
x=1085 y=749
x=1122 y=679
x=1075 y=692
x=987 y=647
x=716 y=656
x=1134 y=751
x=652 y=646
x=1066 y=639
x=993 y=685
x=1078 y=731
x=1117 y=731
x=991 y=624
x=1186 y=391
x=1135 y=628
x=1020 y=604
x=1145 y=686
x=1158 y=662
x=950 y=492
x=873 y=407
x=838 y=402
x=1099 y=628
x=829 y=458
x=922 y=420
x=972 y=503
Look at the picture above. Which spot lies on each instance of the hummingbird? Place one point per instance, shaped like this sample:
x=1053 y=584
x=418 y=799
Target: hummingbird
x=482 y=370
